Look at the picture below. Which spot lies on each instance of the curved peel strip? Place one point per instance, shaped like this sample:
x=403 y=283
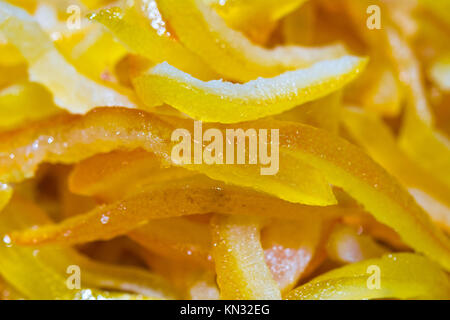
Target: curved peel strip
x=181 y=198
x=115 y=175
x=22 y=31
x=41 y=274
x=69 y=139
x=135 y=30
x=341 y=163
x=242 y=272
x=227 y=51
x=225 y=102
x=401 y=276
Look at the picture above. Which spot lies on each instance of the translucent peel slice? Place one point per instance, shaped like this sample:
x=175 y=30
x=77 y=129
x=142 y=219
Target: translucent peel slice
x=69 y=139
x=227 y=51
x=22 y=31
x=134 y=29
x=224 y=102
x=242 y=272
x=402 y=276
x=190 y=197
x=113 y=176
x=43 y=275
x=341 y=163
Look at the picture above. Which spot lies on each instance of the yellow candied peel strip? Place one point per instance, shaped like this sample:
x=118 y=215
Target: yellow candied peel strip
x=41 y=274
x=394 y=276
x=242 y=272
x=134 y=28
x=22 y=31
x=227 y=51
x=225 y=102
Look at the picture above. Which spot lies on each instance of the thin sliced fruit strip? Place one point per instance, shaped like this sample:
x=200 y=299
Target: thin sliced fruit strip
x=242 y=272
x=69 y=139
x=22 y=31
x=256 y=19
x=343 y=164
x=225 y=102
x=289 y=247
x=114 y=175
x=227 y=51
x=346 y=166
x=346 y=245
x=134 y=27
x=94 y=274
x=400 y=276
x=376 y=138
x=41 y=274
x=192 y=196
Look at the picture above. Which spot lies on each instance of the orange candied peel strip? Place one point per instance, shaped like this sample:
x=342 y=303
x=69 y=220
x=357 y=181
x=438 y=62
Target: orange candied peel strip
x=43 y=275
x=69 y=139
x=242 y=272
x=341 y=163
x=225 y=102
x=401 y=276
x=71 y=90
x=229 y=52
x=112 y=176
x=187 y=197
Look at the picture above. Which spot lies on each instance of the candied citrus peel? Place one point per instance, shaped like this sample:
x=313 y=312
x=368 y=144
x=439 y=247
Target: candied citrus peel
x=22 y=31
x=399 y=276
x=242 y=272
x=224 y=102
x=134 y=27
x=227 y=51
x=42 y=274
x=341 y=163
x=256 y=19
x=381 y=144
x=187 y=197
x=58 y=141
